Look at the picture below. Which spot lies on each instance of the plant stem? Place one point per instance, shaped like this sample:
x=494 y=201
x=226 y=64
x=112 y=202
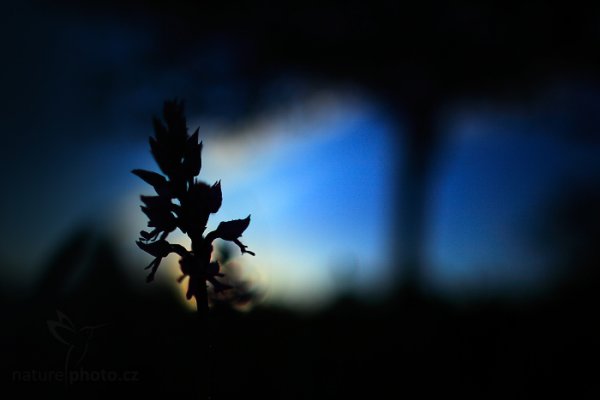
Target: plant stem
x=201 y=261
x=203 y=342
x=201 y=295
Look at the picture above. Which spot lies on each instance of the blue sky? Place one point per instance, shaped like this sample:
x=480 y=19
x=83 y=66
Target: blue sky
x=317 y=175
x=494 y=179
x=311 y=161
x=318 y=181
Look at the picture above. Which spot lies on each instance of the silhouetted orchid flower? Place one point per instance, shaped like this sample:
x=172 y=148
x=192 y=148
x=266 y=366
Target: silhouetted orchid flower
x=178 y=156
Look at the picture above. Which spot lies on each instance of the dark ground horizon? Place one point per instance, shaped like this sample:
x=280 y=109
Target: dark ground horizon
x=412 y=344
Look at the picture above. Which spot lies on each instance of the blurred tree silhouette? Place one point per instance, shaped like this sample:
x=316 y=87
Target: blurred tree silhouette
x=568 y=231
x=184 y=202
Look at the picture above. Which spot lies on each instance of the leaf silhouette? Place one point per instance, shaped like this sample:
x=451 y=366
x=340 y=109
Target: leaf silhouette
x=216 y=197
x=154 y=265
x=157 y=181
x=180 y=250
x=173 y=113
x=159 y=213
x=148 y=235
x=192 y=287
x=160 y=248
x=169 y=144
x=160 y=130
x=232 y=230
x=197 y=204
x=204 y=198
x=192 y=158
x=165 y=156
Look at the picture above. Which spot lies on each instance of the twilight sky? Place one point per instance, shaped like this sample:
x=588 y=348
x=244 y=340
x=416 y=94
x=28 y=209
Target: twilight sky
x=312 y=159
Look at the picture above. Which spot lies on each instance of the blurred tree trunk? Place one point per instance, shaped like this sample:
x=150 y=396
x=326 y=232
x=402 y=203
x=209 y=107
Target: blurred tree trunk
x=421 y=143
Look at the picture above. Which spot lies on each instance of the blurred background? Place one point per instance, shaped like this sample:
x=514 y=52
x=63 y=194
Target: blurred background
x=423 y=180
